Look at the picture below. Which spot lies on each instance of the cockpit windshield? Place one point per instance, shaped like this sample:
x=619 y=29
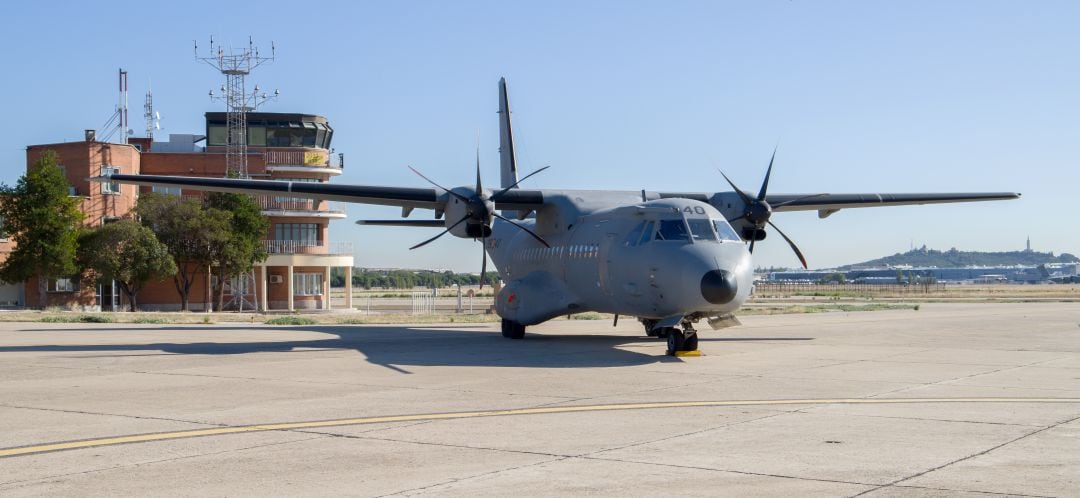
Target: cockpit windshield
x=701 y=229
x=672 y=230
x=724 y=230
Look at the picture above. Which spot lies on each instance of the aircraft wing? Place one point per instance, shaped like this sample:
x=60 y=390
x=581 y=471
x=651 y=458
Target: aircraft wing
x=827 y=204
x=405 y=197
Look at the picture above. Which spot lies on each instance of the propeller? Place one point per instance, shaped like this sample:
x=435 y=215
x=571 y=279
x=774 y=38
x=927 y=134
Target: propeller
x=757 y=210
x=479 y=214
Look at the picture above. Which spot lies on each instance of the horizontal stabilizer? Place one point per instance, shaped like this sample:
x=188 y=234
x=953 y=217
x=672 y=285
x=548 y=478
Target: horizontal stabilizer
x=404 y=223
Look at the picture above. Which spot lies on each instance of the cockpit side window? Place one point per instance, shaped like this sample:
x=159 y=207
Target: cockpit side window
x=647 y=233
x=701 y=229
x=635 y=235
x=672 y=230
x=724 y=230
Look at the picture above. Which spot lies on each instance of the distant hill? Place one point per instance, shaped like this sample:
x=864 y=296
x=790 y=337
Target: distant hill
x=924 y=257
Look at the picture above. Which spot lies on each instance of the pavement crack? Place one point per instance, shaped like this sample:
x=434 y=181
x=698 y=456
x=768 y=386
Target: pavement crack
x=121 y=415
x=974 y=455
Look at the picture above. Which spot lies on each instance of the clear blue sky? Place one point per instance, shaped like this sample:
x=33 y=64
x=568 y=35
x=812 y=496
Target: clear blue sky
x=861 y=96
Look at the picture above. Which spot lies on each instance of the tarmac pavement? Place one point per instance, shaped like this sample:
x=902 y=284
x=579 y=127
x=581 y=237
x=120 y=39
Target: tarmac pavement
x=952 y=399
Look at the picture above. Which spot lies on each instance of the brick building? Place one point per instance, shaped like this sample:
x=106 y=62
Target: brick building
x=281 y=146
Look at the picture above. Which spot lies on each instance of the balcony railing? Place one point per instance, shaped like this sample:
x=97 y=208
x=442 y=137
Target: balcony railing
x=309 y=158
x=307 y=247
x=279 y=203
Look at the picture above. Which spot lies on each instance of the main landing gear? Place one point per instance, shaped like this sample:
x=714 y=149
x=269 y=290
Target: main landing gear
x=677 y=340
x=512 y=329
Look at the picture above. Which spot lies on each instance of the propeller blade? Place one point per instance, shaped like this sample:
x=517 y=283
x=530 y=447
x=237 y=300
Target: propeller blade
x=803 y=198
x=530 y=232
x=460 y=197
x=745 y=198
x=483 y=265
x=479 y=186
x=503 y=191
x=790 y=243
x=768 y=173
x=444 y=232
x=752 y=245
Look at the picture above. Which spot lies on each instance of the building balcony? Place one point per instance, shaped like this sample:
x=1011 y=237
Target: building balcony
x=303 y=161
x=298 y=207
x=308 y=247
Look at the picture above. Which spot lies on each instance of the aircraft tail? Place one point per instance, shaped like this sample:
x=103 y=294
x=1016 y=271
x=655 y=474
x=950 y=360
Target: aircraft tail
x=507 y=157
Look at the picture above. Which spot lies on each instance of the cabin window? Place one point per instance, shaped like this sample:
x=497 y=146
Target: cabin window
x=701 y=229
x=725 y=231
x=672 y=230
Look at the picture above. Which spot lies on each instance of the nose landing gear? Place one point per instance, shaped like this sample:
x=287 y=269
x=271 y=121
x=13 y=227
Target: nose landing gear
x=682 y=341
x=678 y=341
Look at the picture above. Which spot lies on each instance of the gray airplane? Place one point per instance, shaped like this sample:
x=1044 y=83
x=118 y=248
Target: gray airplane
x=669 y=259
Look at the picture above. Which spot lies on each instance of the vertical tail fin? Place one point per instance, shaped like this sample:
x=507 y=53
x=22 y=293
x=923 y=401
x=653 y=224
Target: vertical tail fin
x=507 y=157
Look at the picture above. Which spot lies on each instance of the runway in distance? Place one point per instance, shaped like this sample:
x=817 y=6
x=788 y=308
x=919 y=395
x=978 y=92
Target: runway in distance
x=669 y=259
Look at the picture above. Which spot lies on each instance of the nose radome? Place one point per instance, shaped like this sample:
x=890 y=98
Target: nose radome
x=719 y=286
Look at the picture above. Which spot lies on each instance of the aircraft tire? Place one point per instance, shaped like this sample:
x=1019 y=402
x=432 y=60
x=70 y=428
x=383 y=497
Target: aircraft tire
x=675 y=340
x=690 y=343
x=512 y=329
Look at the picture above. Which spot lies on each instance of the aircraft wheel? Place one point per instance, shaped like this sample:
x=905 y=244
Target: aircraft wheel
x=649 y=331
x=690 y=343
x=675 y=341
x=512 y=329
x=663 y=332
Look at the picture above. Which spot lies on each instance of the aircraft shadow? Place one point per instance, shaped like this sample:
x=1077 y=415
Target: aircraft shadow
x=398 y=347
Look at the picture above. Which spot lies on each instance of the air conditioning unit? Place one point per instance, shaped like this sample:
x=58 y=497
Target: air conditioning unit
x=276 y=279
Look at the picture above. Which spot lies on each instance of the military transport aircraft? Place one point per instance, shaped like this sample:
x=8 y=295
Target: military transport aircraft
x=669 y=259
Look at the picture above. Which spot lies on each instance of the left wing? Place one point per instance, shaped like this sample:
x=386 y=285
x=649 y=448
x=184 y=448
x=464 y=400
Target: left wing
x=404 y=197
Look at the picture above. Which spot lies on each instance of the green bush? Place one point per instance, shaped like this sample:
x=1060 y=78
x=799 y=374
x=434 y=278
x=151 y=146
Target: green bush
x=290 y=320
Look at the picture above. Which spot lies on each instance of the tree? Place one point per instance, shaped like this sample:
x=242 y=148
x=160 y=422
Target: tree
x=43 y=220
x=191 y=233
x=244 y=246
x=128 y=253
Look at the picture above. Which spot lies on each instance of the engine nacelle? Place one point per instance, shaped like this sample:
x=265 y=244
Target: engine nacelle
x=477 y=209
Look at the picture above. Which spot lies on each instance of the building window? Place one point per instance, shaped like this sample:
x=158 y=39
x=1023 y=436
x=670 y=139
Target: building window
x=305 y=233
x=216 y=134
x=166 y=190
x=307 y=284
x=110 y=187
x=63 y=285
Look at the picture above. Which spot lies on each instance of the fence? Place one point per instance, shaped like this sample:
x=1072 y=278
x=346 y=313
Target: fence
x=423 y=303
x=774 y=288
x=279 y=203
x=307 y=247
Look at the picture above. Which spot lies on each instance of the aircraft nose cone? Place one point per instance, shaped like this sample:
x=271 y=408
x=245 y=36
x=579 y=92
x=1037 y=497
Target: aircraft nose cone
x=719 y=286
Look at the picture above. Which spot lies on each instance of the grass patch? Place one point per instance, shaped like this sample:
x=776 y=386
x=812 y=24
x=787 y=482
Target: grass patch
x=77 y=319
x=586 y=316
x=150 y=320
x=290 y=320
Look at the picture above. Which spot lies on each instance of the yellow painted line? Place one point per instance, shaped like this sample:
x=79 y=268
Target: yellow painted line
x=221 y=431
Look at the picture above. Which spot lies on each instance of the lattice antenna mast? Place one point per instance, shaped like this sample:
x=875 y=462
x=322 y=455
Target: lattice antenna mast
x=236 y=65
x=153 y=119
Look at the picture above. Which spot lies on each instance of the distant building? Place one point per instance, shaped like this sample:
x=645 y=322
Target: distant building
x=996 y=274
x=281 y=146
